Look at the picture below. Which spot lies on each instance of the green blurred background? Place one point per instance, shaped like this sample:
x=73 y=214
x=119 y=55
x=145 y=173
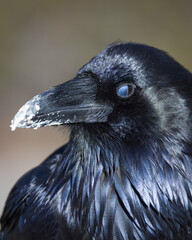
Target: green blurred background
x=44 y=42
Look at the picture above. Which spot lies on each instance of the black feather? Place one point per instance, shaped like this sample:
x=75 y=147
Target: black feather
x=126 y=173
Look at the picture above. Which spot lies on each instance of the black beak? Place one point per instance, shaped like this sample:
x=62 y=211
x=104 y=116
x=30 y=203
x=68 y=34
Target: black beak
x=74 y=101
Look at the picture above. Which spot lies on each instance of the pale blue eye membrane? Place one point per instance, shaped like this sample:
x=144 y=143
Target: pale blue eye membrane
x=125 y=90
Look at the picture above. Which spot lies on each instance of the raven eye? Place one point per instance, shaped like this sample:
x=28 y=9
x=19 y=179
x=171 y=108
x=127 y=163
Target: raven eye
x=126 y=90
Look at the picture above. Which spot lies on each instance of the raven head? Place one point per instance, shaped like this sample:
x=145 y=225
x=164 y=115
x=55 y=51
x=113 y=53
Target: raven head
x=135 y=89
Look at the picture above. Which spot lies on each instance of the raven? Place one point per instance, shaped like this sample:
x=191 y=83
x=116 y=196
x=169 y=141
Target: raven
x=126 y=172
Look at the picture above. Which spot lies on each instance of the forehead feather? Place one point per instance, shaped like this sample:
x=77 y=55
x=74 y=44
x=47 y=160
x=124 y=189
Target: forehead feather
x=116 y=63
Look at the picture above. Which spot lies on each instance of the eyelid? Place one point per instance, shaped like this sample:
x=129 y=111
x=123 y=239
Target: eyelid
x=129 y=94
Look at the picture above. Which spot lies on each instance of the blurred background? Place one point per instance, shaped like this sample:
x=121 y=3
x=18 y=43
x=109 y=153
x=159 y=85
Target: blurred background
x=44 y=42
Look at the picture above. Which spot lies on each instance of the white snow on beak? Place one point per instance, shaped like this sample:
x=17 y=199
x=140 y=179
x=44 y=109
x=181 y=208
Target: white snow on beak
x=25 y=113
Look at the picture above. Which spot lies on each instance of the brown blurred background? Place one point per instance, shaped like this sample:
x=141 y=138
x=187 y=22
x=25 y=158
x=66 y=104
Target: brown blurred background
x=44 y=42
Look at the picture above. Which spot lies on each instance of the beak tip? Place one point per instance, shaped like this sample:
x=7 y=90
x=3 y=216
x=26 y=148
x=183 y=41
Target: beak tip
x=23 y=117
x=13 y=125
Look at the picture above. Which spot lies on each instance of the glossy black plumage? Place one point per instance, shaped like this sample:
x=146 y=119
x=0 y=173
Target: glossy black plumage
x=126 y=172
